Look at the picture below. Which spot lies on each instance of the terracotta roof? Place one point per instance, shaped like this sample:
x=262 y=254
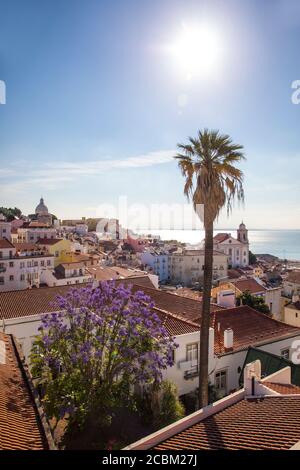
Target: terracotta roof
x=36 y=224
x=294 y=276
x=283 y=389
x=20 y=424
x=187 y=292
x=270 y=423
x=106 y=273
x=175 y=324
x=72 y=265
x=38 y=301
x=4 y=243
x=233 y=274
x=20 y=246
x=220 y=237
x=250 y=328
x=250 y=285
x=48 y=241
x=142 y=281
x=177 y=304
x=22 y=303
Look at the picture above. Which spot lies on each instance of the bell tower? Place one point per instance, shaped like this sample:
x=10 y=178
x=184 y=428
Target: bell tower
x=242 y=234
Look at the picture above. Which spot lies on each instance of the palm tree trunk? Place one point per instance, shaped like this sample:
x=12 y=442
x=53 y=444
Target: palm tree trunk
x=205 y=318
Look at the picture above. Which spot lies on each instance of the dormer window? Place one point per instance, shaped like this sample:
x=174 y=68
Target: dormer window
x=230 y=241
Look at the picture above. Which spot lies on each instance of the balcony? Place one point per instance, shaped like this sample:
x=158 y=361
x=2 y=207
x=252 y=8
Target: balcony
x=190 y=369
x=2 y=269
x=187 y=365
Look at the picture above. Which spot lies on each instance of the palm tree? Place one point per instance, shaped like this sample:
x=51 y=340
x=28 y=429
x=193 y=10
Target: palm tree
x=211 y=180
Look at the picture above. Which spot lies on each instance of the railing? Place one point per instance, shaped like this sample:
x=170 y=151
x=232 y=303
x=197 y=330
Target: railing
x=187 y=365
x=190 y=369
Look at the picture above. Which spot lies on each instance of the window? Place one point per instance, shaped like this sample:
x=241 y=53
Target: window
x=1 y=280
x=11 y=278
x=230 y=251
x=22 y=277
x=192 y=352
x=57 y=254
x=42 y=263
x=22 y=264
x=36 y=263
x=10 y=253
x=221 y=380
x=4 y=230
x=285 y=353
x=1 y=254
x=271 y=307
x=48 y=262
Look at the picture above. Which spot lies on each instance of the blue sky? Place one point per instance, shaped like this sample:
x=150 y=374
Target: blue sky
x=96 y=105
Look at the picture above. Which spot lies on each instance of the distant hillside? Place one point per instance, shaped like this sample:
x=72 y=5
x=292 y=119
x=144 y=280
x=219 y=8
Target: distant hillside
x=267 y=257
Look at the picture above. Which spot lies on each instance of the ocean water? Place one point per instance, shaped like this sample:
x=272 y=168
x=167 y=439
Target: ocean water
x=281 y=243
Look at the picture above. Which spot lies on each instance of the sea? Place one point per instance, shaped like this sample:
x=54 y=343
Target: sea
x=282 y=243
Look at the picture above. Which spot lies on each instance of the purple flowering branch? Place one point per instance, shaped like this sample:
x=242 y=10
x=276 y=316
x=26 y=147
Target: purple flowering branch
x=98 y=339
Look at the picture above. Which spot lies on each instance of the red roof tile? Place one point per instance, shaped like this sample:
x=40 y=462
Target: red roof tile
x=4 y=243
x=283 y=389
x=221 y=237
x=48 y=241
x=20 y=425
x=270 y=423
x=250 y=285
x=249 y=327
x=179 y=305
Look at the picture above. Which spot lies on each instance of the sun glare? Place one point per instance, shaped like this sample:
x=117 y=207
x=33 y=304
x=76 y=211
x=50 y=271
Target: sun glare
x=197 y=50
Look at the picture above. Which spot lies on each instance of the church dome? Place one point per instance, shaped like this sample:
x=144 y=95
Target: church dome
x=242 y=226
x=41 y=208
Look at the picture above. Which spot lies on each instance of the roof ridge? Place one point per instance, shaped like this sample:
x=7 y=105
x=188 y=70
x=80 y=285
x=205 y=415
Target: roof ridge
x=177 y=317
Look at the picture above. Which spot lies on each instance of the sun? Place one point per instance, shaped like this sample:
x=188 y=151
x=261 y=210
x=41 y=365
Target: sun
x=197 y=50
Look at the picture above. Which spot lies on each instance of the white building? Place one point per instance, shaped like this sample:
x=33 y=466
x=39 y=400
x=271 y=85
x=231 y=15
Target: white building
x=67 y=274
x=22 y=269
x=291 y=285
x=5 y=228
x=187 y=267
x=257 y=288
x=237 y=249
x=33 y=231
x=158 y=262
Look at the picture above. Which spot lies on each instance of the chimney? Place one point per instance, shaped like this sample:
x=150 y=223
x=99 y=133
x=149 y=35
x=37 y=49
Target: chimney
x=228 y=339
x=252 y=375
x=2 y=352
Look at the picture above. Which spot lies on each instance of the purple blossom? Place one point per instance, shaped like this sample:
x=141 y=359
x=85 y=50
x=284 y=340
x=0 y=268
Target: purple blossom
x=107 y=325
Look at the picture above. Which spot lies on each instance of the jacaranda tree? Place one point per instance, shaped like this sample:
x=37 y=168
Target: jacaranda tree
x=91 y=353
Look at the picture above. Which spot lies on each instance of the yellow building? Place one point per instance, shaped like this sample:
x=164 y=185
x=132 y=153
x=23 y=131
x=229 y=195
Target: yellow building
x=292 y=313
x=271 y=296
x=59 y=247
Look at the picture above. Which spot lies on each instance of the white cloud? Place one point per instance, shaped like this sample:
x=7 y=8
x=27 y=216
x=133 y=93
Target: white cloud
x=51 y=175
